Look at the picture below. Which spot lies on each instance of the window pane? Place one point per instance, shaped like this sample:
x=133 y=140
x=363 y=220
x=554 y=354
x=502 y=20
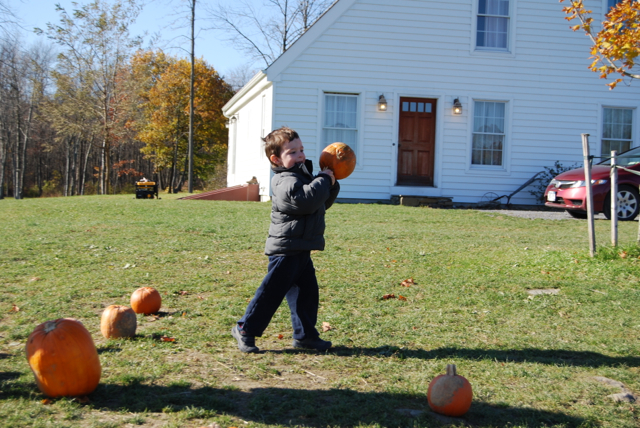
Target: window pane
x=620 y=146
x=340 y=135
x=340 y=111
x=492 y=32
x=617 y=130
x=494 y=7
x=493 y=24
x=488 y=136
x=340 y=119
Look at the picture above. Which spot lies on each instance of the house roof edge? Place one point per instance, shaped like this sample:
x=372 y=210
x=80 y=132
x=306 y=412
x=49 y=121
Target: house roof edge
x=255 y=80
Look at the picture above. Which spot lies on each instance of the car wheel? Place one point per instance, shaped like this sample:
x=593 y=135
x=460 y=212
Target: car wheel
x=577 y=214
x=628 y=204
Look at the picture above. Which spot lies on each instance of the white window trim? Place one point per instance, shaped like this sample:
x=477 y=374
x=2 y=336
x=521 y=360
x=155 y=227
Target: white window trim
x=495 y=52
x=635 y=134
x=505 y=168
x=359 y=93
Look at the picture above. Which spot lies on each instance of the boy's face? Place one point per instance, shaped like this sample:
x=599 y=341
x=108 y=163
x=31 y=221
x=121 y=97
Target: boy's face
x=291 y=154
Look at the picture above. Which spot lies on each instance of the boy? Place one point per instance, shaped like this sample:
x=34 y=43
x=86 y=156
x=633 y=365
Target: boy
x=297 y=227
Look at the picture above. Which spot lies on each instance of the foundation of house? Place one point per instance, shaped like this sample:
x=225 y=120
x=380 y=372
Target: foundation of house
x=423 y=201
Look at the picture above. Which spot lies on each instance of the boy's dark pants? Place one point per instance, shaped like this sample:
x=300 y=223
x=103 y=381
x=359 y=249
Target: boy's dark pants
x=293 y=277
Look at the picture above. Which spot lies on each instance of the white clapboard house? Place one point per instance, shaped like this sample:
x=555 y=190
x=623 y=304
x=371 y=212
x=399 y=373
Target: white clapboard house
x=517 y=71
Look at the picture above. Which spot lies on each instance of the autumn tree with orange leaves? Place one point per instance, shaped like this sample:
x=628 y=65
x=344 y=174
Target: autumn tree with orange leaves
x=163 y=122
x=616 y=46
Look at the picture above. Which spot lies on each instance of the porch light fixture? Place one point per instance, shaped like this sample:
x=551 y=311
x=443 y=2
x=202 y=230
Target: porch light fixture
x=382 y=103
x=457 y=106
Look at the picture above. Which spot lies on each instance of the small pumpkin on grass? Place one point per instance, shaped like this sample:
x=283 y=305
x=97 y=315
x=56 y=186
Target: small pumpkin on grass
x=450 y=394
x=339 y=158
x=118 y=321
x=63 y=358
x=146 y=300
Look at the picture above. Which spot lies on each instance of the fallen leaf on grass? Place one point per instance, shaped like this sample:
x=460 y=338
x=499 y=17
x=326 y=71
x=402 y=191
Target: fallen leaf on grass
x=167 y=339
x=35 y=278
x=401 y=297
x=407 y=282
x=182 y=293
x=623 y=254
x=47 y=401
x=200 y=297
x=389 y=296
x=280 y=336
x=14 y=309
x=326 y=326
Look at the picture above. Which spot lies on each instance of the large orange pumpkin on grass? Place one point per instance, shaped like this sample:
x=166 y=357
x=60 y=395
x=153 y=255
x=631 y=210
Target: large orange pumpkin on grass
x=118 y=321
x=339 y=158
x=63 y=358
x=146 y=300
x=450 y=394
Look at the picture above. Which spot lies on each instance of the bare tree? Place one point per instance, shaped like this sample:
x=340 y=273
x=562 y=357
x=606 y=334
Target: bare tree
x=7 y=16
x=240 y=76
x=23 y=79
x=95 y=44
x=265 y=32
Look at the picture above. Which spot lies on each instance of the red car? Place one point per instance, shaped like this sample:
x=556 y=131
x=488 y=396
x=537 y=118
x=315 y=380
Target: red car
x=568 y=191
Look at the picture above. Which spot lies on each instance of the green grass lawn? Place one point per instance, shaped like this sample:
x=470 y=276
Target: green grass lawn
x=532 y=360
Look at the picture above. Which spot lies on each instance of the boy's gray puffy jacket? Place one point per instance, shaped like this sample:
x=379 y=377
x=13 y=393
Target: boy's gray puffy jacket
x=299 y=202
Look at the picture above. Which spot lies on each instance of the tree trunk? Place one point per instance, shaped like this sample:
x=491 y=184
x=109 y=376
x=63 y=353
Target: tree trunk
x=3 y=157
x=23 y=149
x=84 y=166
x=66 y=167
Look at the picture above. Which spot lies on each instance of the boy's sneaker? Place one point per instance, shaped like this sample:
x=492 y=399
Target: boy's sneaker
x=245 y=343
x=307 y=343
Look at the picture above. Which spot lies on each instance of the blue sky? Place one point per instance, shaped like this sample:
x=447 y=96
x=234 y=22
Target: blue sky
x=156 y=17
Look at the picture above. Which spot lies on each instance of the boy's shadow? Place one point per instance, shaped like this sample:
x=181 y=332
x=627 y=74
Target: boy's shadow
x=315 y=408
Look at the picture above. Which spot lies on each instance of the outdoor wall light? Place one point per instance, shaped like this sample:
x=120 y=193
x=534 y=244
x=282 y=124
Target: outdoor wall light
x=457 y=106
x=382 y=103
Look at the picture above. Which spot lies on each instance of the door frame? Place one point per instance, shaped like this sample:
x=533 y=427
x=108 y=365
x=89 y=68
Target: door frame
x=433 y=190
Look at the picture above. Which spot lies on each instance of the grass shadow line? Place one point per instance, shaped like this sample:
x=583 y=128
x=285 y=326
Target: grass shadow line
x=542 y=356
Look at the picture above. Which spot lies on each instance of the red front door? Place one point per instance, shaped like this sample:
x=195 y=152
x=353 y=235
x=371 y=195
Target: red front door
x=416 y=141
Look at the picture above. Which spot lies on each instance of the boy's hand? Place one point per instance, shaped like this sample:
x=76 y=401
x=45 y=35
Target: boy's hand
x=327 y=171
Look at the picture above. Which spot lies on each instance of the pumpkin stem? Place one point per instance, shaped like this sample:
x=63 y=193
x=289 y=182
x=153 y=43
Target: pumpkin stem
x=50 y=326
x=451 y=369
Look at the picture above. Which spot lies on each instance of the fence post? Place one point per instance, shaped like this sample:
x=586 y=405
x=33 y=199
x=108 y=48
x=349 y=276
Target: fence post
x=614 y=198
x=587 y=178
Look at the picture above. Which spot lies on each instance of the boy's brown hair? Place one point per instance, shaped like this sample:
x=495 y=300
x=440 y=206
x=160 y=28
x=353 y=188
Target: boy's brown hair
x=276 y=139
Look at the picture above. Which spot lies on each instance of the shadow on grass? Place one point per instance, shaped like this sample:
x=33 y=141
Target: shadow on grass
x=301 y=407
x=542 y=356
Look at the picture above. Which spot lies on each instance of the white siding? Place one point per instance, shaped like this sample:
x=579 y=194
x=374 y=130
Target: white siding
x=250 y=118
x=423 y=48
